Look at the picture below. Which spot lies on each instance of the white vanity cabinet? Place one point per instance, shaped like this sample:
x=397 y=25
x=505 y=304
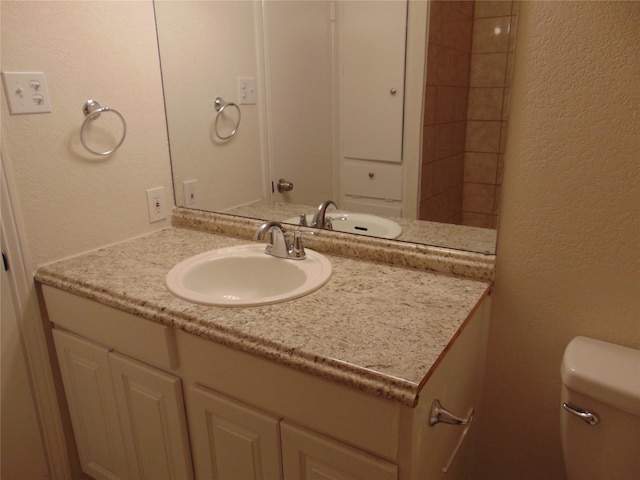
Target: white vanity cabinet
x=232 y=440
x=128 y=416
x=129 y=381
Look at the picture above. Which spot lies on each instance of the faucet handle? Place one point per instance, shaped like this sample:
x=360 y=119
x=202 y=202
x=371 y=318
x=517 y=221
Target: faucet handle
x=303 y=219
x=297 y=249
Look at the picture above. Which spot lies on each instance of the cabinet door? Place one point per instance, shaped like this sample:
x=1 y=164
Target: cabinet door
x=309 y=456
x=230 y=440
x=92 y=405
x=153 y=420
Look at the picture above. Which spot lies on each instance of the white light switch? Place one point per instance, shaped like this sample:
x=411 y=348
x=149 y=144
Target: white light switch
x=247 y=91
x=26 y=92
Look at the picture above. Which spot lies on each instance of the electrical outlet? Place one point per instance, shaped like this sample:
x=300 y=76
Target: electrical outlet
x=189 y=189
x=156 y=203
x=247 y=91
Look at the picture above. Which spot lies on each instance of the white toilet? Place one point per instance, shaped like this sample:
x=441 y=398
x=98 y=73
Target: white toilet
x=600 y=412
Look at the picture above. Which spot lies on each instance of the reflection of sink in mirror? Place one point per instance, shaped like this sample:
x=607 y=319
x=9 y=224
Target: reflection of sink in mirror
x=244 y=276
x=360 y=223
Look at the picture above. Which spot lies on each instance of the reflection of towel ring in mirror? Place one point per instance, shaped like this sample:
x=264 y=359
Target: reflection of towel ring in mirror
x=92 y=110
x=220 y=105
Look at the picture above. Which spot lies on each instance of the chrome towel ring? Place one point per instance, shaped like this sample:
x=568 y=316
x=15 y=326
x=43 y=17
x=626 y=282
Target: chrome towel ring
x=220 y=105
x=92 y=111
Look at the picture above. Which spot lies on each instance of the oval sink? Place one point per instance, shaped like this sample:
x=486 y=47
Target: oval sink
x=244 y=276
x=360 y=223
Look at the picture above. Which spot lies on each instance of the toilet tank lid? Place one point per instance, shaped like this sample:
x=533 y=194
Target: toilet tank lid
x=603 y=371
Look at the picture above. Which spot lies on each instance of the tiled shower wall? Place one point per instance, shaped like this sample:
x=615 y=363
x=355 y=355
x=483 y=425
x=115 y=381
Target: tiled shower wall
x=446 y=94
x=468 y=65
x=488 y=111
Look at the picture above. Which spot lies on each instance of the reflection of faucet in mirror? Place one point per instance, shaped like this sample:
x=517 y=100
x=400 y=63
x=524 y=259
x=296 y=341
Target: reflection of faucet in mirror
x=319 y=218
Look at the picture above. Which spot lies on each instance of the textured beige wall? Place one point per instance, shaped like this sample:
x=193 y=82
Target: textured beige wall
x=71 y=201
x=568 y=259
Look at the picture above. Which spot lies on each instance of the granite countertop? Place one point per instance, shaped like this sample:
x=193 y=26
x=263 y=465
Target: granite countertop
x=376 y=327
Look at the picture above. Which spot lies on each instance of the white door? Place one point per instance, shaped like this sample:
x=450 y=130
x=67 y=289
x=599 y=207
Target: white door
x=22 y=450
x=299 y=81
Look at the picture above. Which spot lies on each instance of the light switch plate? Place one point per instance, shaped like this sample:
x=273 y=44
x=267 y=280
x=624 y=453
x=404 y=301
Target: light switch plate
x=26 y=92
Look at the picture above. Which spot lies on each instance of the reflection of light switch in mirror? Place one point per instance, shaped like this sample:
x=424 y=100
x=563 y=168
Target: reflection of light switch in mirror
x=26 y=92
x=247 y=91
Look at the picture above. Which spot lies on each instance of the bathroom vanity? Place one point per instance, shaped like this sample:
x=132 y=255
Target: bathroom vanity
x=336 y=384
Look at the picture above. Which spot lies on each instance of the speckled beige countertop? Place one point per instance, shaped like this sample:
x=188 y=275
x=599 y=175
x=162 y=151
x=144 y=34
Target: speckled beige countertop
x=376 y=327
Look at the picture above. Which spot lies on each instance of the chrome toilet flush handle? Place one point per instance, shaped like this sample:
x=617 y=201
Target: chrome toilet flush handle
x=591 y=418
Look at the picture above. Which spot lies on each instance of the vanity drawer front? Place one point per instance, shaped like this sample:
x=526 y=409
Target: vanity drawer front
x=142 y=339
x=373 y=181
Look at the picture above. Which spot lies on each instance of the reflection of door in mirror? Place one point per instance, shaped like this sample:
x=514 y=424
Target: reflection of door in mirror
x=299 y=71
x=335 y=101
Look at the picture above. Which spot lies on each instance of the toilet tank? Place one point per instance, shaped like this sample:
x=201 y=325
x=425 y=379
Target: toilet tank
x=602 y=379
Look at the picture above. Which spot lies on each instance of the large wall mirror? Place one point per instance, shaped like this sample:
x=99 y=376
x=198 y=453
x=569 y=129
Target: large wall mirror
x=395 y=110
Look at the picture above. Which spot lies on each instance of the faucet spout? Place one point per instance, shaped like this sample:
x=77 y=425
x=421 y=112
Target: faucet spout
x=319 y=218
x=277 y=243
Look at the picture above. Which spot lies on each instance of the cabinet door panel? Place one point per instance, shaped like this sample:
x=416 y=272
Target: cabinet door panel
x=153 y=420
x=230 y=440
x=92 y=405
x=310 y=456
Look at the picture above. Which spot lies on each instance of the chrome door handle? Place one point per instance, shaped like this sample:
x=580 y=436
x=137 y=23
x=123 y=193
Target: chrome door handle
x=284 y=186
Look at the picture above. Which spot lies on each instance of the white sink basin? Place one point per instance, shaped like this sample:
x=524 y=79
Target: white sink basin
x=360 y=223
x=244 y=276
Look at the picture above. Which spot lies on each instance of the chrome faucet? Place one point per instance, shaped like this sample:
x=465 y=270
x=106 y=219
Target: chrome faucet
x=319 y=218
x=278 y=244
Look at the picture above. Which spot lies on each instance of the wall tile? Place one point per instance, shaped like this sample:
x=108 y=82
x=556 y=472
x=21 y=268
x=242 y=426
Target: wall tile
x=478 y=198
x=478 y=220
x=451 y=104
x=491 y=35
x=483 y=136
x=429 y=134
x=485 y=103
x=453 y=67
x=430 y=101
x=450 y=139
x=486 y=8
x=480 y=167
x=488 y=69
